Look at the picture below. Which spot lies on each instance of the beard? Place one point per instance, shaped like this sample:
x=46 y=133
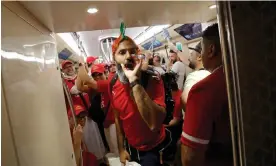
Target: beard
x=129 y=65
x=191 y=65
x=121 y=75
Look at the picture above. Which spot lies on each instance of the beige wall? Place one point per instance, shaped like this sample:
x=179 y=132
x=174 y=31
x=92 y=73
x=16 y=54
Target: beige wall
x=35 y=130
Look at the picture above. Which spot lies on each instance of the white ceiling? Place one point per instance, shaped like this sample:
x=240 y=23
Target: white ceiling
x=71 y=16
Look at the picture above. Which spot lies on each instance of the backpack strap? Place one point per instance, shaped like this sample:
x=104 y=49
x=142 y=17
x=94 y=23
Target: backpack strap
x=112 y=83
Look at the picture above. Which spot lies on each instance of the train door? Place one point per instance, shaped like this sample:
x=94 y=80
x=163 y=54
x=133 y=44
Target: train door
x=247 y=31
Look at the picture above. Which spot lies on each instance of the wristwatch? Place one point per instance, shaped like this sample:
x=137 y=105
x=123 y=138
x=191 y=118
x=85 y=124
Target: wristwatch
x=132 y=84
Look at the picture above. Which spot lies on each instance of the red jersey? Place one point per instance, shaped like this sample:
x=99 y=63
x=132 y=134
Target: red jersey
x=206 y=117
x=110 y=76
x=109 y=119
x=135 y=128
x=177 y=112
x=76 y=98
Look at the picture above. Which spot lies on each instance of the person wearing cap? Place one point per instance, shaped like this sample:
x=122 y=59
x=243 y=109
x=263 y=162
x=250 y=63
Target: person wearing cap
x=90 y=61
x=82 y=98
x=70 y=76
x=98 y=73
x=206 y=135
x=139 y=112
x=198 y=74
x=77 y=135
x=68 y=69
x=177 y=67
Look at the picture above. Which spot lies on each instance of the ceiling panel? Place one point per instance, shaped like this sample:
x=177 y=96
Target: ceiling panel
x=61 y=16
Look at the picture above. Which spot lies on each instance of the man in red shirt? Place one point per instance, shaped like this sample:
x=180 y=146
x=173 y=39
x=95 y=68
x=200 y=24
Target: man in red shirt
x=206 y=137
x=70 y=77
x=97 y=72
x=82 y=99
x=139 y=112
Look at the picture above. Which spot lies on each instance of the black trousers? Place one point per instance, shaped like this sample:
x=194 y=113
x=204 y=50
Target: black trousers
x=151 y=157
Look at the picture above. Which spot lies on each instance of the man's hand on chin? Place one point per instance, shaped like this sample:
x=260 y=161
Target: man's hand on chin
x=132 y=75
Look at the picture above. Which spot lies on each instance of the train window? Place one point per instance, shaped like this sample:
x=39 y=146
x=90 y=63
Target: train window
x=64 y=54
x=190 y=31
x=152 y=45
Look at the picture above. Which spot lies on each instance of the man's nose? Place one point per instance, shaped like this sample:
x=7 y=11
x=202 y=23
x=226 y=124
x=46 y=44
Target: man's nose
x=128 y=55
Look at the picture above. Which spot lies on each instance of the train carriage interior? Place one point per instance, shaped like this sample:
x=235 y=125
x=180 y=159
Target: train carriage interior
x=64 y=99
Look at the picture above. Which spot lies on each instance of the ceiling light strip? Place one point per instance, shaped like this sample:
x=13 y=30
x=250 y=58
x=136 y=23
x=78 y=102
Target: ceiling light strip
x=150 y=33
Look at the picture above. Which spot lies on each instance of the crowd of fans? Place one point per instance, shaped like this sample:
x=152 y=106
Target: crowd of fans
x=152 y=113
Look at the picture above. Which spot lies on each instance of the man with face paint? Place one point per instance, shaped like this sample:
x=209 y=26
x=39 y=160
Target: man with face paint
x=139 y=112
x=206 y=136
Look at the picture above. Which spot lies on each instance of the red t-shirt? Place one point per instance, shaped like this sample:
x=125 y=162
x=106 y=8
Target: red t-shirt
x=76 y=98
x=109 y=119
x=207 y=105
x=110 y=76
x=136 y=130
x=177 y=104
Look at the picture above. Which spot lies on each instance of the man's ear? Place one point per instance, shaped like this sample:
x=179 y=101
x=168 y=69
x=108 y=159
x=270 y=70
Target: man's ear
x=211 y=51
x=199 y=57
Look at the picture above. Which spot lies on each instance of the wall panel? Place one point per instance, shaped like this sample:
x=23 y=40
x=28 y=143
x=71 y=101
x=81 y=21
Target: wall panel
x=33 y=92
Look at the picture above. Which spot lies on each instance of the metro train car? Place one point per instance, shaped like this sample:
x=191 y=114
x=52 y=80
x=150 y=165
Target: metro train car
x=136 y=83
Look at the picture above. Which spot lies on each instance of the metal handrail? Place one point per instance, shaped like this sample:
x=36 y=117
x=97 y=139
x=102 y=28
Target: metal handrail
x=70 y=101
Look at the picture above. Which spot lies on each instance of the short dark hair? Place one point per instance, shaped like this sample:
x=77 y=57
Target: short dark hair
x=211 y=33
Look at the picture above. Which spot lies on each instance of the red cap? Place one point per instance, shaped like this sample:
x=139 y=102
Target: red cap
x=78 y=109
x=91 y=59
x=65 y=62
x=99 y=68
x=111 y=63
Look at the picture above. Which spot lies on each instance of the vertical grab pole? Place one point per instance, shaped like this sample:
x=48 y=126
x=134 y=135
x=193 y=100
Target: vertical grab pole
x=70 y=101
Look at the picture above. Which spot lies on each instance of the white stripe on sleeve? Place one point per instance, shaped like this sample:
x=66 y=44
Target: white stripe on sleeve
x=194 y=139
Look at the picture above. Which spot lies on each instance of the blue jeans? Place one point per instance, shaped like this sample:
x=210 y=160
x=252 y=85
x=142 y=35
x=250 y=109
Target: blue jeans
x=149 y=158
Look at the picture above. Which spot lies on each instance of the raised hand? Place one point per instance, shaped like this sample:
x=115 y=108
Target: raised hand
x=132 y=75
